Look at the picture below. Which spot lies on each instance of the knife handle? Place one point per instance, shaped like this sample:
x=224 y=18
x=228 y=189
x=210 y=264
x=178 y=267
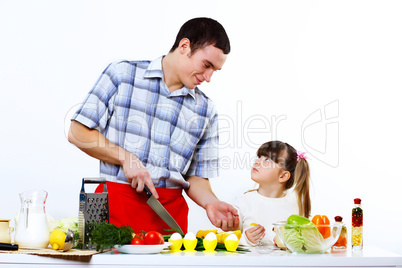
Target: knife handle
x=6 y=246
x=147 y=191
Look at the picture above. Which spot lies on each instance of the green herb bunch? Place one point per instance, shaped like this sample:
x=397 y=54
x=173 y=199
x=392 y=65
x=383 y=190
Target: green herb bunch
x=105 y=235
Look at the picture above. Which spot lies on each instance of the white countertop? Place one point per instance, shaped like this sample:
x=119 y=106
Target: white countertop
x=369 y=257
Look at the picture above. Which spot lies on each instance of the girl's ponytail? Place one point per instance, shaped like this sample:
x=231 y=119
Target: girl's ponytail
x=302 y=187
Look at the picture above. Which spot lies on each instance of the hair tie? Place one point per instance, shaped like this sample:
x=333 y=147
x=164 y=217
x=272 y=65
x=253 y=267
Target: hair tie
x=301 y=155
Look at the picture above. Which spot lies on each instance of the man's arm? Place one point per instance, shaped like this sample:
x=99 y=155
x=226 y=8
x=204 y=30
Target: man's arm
x=221 y=214
x=95 y=144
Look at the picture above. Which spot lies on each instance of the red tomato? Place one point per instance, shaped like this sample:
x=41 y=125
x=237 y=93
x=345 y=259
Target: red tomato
x=137 y=241
x=321 y=220
x=153 y=238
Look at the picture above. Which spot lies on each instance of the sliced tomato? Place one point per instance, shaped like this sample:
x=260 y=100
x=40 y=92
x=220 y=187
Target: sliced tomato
x=153 y=238
x=320 y=221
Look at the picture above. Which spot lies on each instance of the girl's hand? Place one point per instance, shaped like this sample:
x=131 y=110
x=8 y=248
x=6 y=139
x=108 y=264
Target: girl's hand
x=255 y=233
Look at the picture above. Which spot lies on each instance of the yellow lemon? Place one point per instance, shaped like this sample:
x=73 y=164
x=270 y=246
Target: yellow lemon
x=57 y=239
x=203 y=233
x=223 y=235
x=253 y=224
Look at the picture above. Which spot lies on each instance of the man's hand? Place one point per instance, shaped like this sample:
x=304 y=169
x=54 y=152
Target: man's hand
x=223 y=215
x=95 y=144
x=137 y=175
x=255 y=233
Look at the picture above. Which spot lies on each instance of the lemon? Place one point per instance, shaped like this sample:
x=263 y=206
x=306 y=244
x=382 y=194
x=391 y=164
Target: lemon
x=203 y=233
x=222 y=235
x=57 y=238
x=253 y=224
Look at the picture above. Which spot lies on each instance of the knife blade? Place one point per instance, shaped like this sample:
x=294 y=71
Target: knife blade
x=160 y=210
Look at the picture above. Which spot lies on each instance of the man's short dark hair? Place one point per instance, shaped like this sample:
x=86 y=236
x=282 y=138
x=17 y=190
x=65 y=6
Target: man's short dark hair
x=203 y=32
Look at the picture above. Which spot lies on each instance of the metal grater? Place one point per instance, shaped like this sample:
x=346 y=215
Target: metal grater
x=94 y=207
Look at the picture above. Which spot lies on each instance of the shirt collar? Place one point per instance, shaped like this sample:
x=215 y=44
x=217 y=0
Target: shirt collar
x=154 y=70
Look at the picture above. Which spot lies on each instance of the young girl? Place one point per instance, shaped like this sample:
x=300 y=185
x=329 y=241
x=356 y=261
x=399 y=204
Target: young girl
x=279 y=167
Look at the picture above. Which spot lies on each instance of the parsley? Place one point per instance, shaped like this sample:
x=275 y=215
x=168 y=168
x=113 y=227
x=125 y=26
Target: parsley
x=105 y=235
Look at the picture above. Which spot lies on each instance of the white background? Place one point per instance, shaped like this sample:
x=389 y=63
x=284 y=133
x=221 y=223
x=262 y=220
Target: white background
x=321 y=75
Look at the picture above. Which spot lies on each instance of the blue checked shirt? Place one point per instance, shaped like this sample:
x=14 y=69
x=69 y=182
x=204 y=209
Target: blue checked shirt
x=174 y=134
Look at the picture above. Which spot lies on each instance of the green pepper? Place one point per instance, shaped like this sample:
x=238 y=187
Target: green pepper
x=299 y=220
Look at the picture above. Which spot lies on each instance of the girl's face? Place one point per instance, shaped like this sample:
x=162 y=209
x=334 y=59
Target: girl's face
x=265 y=171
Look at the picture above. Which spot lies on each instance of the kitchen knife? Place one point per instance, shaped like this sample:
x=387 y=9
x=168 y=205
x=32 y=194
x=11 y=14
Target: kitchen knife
x=8 y=246
x=160 y=210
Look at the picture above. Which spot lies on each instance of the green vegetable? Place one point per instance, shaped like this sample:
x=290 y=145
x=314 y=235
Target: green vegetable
x=68 y=223
x=300 y=220
x=303 y=239
x=105 y=235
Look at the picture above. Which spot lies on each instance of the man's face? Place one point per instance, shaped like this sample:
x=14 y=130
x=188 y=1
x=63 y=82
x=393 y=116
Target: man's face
x=199 y=66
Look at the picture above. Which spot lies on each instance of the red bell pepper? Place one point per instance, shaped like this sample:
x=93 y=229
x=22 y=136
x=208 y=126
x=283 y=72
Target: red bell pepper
x=320 y=221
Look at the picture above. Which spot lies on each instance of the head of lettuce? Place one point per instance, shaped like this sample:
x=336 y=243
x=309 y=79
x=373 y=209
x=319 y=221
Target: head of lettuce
x=300 y=235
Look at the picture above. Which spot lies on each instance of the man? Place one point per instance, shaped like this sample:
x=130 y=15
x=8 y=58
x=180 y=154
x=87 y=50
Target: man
x=149 y=124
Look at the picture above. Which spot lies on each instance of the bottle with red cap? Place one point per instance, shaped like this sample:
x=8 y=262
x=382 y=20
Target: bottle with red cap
x=343 y=237
x=357 y=225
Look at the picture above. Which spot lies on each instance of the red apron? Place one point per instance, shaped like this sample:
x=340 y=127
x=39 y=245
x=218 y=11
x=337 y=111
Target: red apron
x=126 y=206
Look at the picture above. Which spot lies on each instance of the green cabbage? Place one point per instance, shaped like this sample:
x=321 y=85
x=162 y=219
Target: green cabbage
x=306 y=239
x=68 y=223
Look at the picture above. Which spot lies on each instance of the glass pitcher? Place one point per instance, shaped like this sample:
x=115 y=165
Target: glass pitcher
x=31 y=229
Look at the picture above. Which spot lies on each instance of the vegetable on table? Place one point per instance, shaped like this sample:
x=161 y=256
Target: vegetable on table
x=137 y=241
x=303 y=237
x=319 y=221
x=223 y=235
x=147 y=238
x=105 y=235
x=299 y=220
x=203 y=233
x=68 y=223
x=153 y=238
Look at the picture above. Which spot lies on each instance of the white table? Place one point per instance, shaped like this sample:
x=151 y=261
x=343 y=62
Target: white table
x=369 y=257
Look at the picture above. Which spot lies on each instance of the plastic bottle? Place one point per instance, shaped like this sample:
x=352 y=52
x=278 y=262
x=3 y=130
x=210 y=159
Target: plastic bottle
x=343 y=237
x=357 y=225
